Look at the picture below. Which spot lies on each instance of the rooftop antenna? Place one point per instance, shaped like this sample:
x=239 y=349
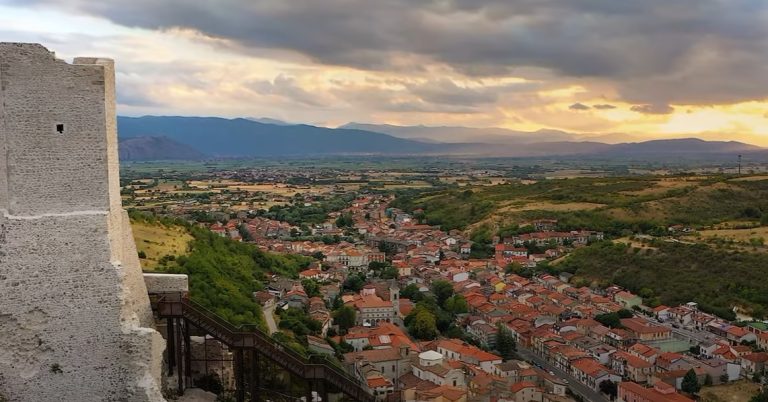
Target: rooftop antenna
x=739 y=165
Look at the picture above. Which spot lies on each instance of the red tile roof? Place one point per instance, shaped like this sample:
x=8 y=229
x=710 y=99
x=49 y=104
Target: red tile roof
x=651 y=394
x=519 y=386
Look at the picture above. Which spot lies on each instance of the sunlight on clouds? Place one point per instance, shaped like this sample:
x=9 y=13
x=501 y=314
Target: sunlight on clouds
x=745 y=117
x=182 y=71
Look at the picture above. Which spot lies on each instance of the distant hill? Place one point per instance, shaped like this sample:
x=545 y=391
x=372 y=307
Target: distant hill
x=491 y=135
x=156 y=148
x=681 y=146
x=243 y=137
x=268 y=120
x=186 y=137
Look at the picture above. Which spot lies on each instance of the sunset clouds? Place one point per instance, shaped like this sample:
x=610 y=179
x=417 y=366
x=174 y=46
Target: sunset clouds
x=652 y=68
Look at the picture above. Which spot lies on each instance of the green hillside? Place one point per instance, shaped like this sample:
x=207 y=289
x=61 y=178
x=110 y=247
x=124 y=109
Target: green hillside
x=676 y=273
x=223 y=274
x=613 y=205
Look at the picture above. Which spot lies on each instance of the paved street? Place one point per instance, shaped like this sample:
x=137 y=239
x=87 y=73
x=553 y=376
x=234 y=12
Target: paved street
x=269 y=316
x=575 y=386
x=699 y=336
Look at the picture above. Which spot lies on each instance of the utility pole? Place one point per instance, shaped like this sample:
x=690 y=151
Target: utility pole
x=739 y=165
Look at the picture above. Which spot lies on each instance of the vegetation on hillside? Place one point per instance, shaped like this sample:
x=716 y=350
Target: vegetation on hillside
x=610 y=204
x=677 y=273
x=159 y=244
x=299 y=213
x=434 y=312
x=223 y=274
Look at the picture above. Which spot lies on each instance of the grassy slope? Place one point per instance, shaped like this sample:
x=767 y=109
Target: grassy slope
x=627 y=203
x=157 y=240
x=736 y=392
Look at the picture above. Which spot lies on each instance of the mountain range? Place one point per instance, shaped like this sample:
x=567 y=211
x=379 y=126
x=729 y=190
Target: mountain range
x=194 y=138
x=492 y=135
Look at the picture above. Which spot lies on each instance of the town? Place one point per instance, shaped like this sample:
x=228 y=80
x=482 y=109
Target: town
x=422 y=314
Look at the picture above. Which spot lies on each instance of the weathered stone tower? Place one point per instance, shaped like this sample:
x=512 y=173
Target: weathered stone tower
x=75 y=320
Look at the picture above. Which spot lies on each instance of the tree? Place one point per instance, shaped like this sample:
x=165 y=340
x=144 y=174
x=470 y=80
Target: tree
x=505 y=343
x=757 y=377
x=513 y=268
x=609 y=388
x=690 y=384
x=299 y=322
x=311 y=288
x=453 y=332
x=412 y=293
x=389 y=273
x=354 y=283
x=646 y=293
x=345 y=318
x=442 y=291
x=142 y=255
x=423 y=325
x=345 y=220
x=624 y=313
x=610 y=320
x=456 y=304
x=244 y=232
x=761 y=397
x=337 y=302
x=377 y=266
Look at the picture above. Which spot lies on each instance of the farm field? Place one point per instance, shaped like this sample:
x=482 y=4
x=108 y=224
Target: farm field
x=736 y=234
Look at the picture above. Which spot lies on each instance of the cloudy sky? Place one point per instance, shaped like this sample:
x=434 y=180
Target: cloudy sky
x=649 y=68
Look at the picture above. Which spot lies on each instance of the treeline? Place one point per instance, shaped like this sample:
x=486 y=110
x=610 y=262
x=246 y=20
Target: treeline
x=675 y=273
x=434 y=312
x=454 y=210
x=298 y=214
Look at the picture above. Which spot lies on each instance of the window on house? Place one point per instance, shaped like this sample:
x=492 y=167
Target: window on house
x=60 y=128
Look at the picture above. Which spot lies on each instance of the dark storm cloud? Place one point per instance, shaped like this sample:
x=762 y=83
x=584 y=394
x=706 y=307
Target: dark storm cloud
x=579 y=106
x=655 y=51
x=653 y=109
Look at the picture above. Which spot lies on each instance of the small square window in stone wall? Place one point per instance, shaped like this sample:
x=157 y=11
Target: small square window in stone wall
x=60 y=128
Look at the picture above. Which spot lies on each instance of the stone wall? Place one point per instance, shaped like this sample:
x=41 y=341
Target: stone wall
x=75 y=322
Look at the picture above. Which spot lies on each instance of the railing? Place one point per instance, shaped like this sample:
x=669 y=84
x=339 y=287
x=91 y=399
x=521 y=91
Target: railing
x=316 y=367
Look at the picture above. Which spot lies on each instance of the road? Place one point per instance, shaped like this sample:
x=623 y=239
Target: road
x=699 y=336
x=269 y=316
x=576 y=387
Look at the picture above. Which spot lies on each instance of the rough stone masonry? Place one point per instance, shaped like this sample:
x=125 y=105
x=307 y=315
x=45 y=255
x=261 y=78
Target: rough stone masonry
x=75 y=320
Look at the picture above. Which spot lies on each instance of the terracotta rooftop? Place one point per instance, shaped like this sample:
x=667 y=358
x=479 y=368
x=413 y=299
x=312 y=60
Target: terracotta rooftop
x=518 y=386
x=651 y=394
x=465 y=349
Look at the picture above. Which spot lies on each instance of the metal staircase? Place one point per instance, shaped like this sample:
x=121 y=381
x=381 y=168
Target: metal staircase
x=318 y=371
